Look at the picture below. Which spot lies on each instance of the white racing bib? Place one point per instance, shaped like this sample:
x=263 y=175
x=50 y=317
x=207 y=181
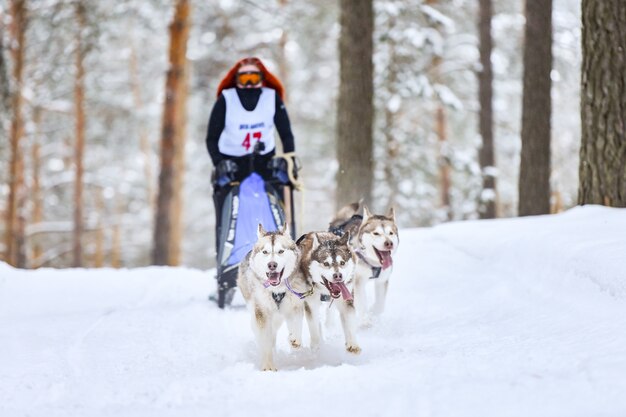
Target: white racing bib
x=243 y=128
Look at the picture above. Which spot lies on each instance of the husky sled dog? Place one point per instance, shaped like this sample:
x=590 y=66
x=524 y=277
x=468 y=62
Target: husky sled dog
x=266 y=282
x=375 y=241
x=327 y=265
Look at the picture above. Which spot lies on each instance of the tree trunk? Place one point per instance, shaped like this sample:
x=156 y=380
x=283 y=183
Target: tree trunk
x=68 y=153
x=283 y=68
x=5 y=90
x=534 y=177
x=98 y=235
x=556 y=205
x=179 y=176
x=116 y=239
x=179 y=33
x=79 y=150
x=485 y=96
x=355 y=107
x=20 y=238
x=443 y=160
x=443 y=149
x=35 y=193
x=16 y=175
x=603 y=104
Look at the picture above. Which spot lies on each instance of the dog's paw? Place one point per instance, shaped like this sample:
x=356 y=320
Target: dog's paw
x=353 y=349
x=295 y=343
x=269 y=367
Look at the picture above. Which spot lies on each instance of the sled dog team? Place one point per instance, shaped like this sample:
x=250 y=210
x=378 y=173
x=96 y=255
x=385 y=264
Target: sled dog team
x=282 y=280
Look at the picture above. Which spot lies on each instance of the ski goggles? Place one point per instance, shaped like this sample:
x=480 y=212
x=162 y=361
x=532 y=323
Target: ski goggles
x=249 y=78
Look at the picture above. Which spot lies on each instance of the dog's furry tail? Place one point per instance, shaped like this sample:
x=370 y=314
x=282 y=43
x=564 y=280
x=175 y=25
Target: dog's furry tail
x=345 y=213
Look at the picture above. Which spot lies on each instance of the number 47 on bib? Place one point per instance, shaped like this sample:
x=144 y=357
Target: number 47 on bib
x=246 y=141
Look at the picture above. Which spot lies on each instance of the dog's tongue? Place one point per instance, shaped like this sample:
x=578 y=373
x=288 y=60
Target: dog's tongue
x=341 y=287
x=385 y=259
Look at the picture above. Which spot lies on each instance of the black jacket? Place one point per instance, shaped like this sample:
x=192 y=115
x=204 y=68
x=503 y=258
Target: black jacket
x=249 y=98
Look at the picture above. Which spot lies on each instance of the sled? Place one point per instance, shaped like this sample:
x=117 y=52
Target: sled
x=246 y=204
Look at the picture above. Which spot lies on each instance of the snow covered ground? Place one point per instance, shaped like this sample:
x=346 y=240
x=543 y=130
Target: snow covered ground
x=517 y=317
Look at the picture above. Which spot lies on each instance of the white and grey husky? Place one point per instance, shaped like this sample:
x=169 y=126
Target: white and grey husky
x=375 y=241
x=327 y=265
x=272 y=293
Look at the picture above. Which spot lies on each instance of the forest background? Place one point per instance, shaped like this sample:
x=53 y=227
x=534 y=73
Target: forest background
x=426 y=61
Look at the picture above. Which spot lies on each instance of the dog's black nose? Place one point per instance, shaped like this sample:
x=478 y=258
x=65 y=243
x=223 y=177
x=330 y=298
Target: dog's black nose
x=388 y=244
x=337 y=276
x=272 y=266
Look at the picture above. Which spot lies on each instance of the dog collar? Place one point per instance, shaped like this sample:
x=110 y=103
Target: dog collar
x=375 y=269
x=300 y=295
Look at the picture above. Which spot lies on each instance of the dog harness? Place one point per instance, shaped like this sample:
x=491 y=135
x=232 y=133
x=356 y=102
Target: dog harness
x=300 y=295
x=278 y=298
x=375 y=269
x=340 y=229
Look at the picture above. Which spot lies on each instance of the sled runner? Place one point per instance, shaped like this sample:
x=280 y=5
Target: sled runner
x=247 y=203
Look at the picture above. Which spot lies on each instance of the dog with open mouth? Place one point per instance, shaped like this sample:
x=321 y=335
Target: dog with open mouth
x=272 y=292
x=375 y=241
x=327 y=265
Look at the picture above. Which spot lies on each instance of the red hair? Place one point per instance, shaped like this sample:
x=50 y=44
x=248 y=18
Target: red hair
x=269 y=79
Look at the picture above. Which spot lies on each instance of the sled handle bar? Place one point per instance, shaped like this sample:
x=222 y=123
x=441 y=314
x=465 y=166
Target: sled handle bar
x=258 y=148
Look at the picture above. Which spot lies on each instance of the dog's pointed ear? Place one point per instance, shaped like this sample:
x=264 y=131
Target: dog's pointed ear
x=260 y=232
x=345 y=239
x=366 y=214
x=284 y=229
x=392 y=214
x=316 y=241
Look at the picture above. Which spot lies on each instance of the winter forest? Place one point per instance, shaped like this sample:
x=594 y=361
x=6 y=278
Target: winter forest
x=471 y=109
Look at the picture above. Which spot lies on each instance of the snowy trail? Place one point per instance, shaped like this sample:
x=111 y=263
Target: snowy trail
x=514 y=317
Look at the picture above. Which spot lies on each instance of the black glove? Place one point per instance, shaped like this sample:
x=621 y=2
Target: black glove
x=280 y=167
x=225 y=172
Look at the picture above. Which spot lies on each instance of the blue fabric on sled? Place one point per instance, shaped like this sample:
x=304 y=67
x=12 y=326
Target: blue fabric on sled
x=254 y=208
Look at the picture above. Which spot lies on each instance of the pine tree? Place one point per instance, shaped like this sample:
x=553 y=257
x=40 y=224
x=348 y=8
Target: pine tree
x=602 y=178
x=485 y=85
x=355 y=108
x=534 y=177
x=14 y=238
x=79 y=149
x=174 y=88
